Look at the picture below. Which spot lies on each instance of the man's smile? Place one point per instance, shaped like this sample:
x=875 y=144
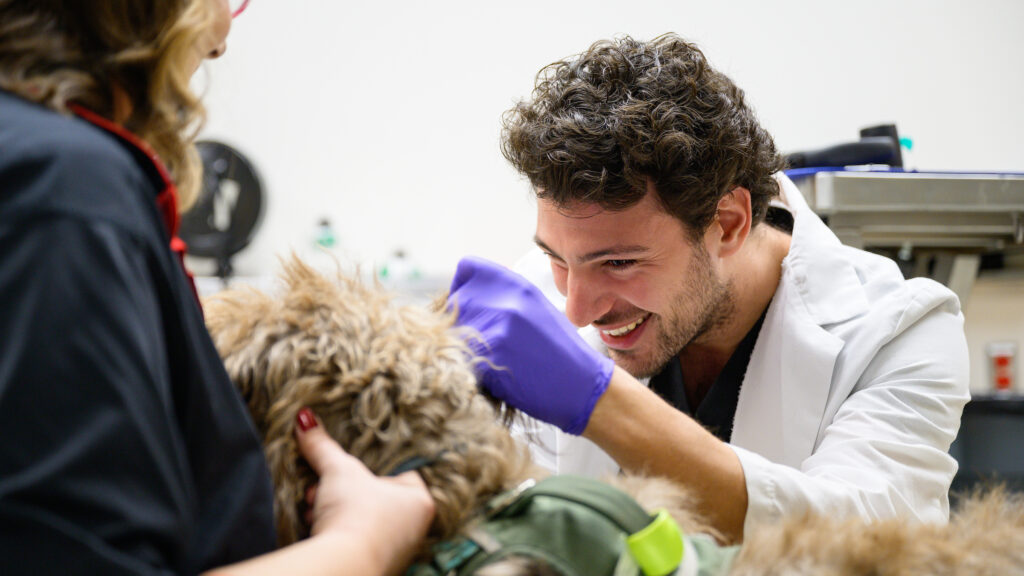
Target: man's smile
x=623 y=330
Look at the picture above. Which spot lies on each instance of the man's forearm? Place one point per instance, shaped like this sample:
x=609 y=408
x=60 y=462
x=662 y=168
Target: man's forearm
x=646 y=435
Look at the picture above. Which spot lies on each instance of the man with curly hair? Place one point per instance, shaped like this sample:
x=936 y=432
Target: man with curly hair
x=785 y=372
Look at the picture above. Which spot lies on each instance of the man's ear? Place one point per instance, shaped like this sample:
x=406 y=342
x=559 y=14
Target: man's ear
x=732 y=221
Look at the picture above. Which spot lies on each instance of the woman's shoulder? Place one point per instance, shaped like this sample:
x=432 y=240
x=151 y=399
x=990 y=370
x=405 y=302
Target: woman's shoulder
x=34 y=135
x=61 y=165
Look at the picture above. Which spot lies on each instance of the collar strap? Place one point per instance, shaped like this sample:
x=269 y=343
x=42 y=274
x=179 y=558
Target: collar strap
x=415 y=463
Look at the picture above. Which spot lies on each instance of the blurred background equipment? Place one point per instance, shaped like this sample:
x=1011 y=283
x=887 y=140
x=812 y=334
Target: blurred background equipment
x=230 y=206
x=877 y=145
x=939 y=224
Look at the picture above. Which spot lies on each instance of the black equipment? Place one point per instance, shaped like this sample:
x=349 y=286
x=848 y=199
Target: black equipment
x=230 y=206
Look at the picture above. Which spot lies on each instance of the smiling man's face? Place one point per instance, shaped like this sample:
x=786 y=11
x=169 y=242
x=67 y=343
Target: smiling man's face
x=636 y=275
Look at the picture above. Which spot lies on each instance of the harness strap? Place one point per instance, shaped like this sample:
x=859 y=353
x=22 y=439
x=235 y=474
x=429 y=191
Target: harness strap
x=615 y=505
x=654 y=542
x=575 y=525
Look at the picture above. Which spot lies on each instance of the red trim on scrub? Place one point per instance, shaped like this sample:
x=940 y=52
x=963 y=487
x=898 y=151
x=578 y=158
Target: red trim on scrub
x=166 y=200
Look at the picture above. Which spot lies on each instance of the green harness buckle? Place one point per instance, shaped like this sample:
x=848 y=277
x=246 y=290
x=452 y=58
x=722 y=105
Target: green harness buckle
x=658 y=548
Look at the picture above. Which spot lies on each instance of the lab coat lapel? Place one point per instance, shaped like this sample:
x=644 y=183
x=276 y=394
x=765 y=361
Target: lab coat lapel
x=786 y=385
x=782 y=400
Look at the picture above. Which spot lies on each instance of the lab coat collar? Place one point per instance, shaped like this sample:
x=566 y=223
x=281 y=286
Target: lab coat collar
x=827 y=282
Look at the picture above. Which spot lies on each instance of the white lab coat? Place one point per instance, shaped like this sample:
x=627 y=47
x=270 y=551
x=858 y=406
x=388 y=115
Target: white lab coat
x=852 y=396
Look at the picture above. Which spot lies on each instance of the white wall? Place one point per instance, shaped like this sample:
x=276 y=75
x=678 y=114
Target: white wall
x=384 y=116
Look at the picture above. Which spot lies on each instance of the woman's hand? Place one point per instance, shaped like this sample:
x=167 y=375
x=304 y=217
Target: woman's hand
x=391 y=515
x=362 y=525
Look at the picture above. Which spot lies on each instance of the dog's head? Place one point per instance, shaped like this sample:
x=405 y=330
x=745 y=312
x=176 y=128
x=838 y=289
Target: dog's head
x=392 y=384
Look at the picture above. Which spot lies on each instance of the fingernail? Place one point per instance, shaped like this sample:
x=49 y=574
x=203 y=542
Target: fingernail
x=306 y=420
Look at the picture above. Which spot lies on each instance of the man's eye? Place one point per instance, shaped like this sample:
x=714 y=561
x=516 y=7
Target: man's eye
x=553 y=259
x=619 y=264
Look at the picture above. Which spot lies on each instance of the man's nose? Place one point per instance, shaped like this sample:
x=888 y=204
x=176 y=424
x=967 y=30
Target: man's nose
x=585 y=299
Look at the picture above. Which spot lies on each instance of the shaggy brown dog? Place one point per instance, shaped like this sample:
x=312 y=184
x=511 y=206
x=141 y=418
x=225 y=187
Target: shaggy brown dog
x=390 y=384
x=394 y=383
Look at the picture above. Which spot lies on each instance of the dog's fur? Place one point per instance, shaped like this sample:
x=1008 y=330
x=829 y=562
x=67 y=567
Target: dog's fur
x=985 y=535
x=389 y=383
x=395 y=382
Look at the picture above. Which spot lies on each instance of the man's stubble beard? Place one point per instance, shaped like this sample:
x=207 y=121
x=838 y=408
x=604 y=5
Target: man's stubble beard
x=704 y=304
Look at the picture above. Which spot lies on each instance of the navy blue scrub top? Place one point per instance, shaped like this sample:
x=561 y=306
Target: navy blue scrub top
x=718 y=408
x=124 y=447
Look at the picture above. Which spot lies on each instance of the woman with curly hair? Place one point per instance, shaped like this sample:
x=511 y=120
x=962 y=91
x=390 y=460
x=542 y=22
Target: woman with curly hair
x=125 y=449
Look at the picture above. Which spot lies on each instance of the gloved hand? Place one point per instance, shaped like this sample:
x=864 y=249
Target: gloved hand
x=540 y=364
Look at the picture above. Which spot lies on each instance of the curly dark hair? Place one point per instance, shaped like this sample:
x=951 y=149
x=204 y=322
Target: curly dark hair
x=603 y=123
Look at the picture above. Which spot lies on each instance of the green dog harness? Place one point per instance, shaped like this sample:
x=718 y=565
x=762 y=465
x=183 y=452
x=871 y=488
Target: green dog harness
x=577 y=527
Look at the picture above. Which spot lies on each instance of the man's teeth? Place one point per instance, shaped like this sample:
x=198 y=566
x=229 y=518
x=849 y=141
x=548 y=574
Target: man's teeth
x=625 y=329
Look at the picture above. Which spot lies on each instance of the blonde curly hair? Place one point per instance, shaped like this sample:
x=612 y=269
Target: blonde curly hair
x=62 y=52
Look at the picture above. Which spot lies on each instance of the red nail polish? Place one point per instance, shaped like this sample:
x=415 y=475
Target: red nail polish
x=306 y=420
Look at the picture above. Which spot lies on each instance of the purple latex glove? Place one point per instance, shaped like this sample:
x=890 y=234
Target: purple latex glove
x=541 y=365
